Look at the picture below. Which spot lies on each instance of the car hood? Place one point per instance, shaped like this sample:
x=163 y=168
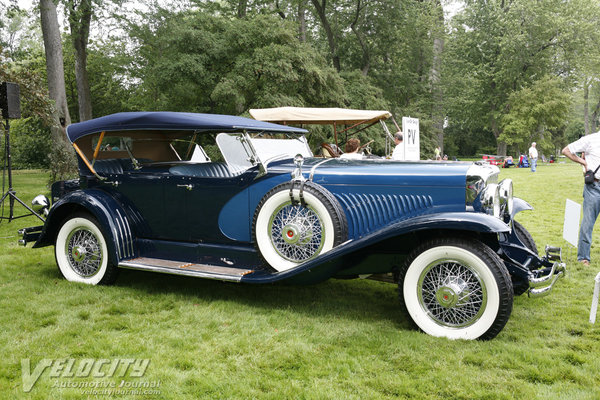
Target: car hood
x=335 y=171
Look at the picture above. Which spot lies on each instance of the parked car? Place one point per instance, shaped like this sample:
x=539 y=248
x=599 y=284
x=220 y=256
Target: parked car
x=155 y=194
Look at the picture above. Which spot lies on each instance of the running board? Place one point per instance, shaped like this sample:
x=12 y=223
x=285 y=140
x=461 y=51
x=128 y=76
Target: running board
x=185 y=268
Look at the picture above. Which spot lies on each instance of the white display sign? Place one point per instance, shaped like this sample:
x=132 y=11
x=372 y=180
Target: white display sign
x=571 y=225
x=412 y=145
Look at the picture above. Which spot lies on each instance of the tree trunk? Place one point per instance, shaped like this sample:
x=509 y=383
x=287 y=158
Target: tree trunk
x=62 y=157
x=366 y=55
x=302 y=21
x=320 y=7
x=586 y=111
x=435 y=77
x=500 y=146
x=242 y=8
x=595 y=117
x=54 y=61
x=79 y=21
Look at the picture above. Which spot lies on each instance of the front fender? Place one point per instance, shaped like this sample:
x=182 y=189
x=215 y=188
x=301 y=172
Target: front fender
x=520 y=205
x=463 y=221
x=107 y=211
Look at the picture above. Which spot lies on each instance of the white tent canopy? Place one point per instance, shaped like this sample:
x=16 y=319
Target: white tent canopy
x=322 y=116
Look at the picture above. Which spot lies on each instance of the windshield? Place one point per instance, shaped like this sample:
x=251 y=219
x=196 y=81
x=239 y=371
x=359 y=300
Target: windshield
x=271 y=149
x=242 y=152
x=236 y=151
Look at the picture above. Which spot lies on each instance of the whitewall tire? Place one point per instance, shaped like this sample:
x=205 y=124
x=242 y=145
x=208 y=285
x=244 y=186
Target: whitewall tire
x=457 y=289
x=81 y=252
x=287 y=234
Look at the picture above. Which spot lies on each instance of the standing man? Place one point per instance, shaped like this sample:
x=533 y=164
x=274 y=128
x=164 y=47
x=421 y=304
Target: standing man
x=398 y=153
x=590 y=145
x=533 y=156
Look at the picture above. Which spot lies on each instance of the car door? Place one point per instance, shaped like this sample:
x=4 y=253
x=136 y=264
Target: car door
x=194 y=201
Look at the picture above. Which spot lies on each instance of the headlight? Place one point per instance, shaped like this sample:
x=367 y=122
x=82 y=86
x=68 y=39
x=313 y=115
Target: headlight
x=40 y=204
x=490 y=199
x=505 y=189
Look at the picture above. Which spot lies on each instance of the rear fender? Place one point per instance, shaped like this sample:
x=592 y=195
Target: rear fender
x=113 y=220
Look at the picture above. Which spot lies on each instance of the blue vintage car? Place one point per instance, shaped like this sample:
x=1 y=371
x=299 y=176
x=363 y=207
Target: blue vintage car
x=235 y=199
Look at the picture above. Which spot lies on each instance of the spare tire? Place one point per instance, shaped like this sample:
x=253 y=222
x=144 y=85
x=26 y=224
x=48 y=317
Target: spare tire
x=288 y=231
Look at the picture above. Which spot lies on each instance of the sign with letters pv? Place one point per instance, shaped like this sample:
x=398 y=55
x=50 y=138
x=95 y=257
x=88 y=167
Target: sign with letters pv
x=412 y=145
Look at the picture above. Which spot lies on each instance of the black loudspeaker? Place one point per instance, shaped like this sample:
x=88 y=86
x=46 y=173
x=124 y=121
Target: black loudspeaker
x=10 y=101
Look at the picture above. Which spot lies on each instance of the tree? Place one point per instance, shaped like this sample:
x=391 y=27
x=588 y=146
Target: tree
x=536 y=110
x=54 y=61
x=80 y=16
x=63 y=159
x=197 y=62
x=498 y=47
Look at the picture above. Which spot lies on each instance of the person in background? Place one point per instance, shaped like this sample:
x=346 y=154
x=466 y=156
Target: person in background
x=352 y=147
x=437 y=153
x=533 y=156
x=398 y=153
x=590 y=145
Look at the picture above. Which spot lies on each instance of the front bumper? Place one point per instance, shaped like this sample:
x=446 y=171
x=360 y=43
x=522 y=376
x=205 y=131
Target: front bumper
x=30 y=234
x=541 y=281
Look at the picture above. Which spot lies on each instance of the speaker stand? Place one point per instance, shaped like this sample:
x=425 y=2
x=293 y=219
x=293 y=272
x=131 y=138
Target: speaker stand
x=10 y=194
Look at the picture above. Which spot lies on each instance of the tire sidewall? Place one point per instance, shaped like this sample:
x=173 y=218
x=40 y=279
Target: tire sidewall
x=61 y=256
x=472 y=261
x=262 y=231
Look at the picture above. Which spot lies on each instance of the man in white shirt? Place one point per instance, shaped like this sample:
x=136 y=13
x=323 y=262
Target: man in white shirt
x=398 y=153
x=533 y=156
x=590 y=146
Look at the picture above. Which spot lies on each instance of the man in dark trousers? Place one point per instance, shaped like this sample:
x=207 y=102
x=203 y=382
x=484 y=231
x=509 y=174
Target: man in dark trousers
x=590 y=146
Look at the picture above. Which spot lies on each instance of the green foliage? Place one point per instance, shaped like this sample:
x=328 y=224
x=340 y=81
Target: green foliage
x=108 y=77
x=574 y=131
x=198 y=62
x=30 y=140
x=497 y=48
x=534 y=110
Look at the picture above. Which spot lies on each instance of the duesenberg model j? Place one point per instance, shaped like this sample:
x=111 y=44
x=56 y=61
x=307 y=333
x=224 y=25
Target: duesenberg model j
x=235 y=199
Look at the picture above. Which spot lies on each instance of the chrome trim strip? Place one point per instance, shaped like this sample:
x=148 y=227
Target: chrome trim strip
x=132 y=252
x=314 y=168
x=118 y=221
x=185 y=272
x=118 y=241
x=128 y=235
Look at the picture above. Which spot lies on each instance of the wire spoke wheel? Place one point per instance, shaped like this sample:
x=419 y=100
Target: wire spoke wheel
x=81 y=251
x=84 y=252
x=289 y=232
x=452 y=293
x=456 y=288
x=296 y=232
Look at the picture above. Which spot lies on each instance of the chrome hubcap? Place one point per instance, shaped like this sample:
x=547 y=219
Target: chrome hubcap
x=78 y=253
x=452 y=293
x=84 y=252
x=449 y=294
x=290 y=234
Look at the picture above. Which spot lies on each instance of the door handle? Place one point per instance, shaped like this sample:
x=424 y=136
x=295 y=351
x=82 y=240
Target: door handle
x=188 y=187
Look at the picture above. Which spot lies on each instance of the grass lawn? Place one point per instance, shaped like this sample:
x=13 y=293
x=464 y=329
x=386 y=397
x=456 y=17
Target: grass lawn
x=338 y=339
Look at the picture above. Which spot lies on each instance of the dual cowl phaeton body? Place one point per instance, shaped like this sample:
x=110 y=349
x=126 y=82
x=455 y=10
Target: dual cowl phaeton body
x=235 y=199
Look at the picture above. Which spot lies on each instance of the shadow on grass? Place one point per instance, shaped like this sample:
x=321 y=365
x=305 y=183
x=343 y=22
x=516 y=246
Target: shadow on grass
x=356 y=300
